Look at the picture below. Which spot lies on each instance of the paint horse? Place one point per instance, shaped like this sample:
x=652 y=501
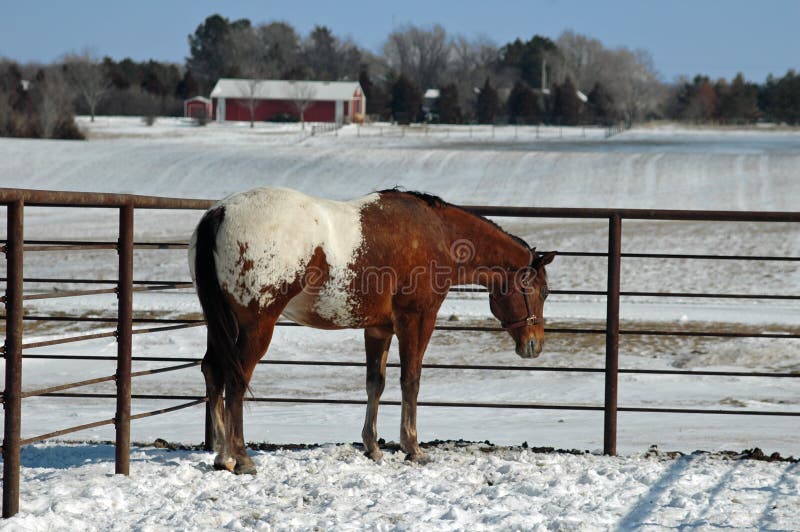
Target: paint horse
x=382 y=263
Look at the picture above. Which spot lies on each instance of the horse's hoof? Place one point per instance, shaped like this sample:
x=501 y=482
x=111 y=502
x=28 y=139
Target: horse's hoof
x=224 y=464
x=247 y=469
x=375 y=455
x=417 y=457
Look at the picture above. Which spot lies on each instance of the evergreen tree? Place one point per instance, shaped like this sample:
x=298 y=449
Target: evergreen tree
x=159 y=79
x=696 y=101
x=406 y=100
x=447 y=105
x=566 y=104
x=704 y=102
x=326 y=58
x=523 y=104
x=209 y=50
x=187 y=86
x=281 y=49
x=320 y=53
x=122 y=75
x=738 y=104
x=779 y=99
x=786 y=99
x=374 y=93
x=601 y=106
x=525 y=58
x=488 y=104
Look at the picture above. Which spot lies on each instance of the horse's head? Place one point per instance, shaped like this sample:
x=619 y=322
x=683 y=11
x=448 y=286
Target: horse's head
x=518 y=302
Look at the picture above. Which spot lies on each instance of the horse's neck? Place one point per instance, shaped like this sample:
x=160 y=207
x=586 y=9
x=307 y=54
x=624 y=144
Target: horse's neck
x=485 y=245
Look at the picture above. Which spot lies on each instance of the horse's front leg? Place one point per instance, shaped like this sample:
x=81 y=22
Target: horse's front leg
x=413 y=333
x=376 y=343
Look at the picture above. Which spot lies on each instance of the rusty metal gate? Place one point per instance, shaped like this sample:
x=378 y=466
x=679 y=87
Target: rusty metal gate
x=16 y=200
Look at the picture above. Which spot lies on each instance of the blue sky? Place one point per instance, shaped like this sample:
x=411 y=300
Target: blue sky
x=715 y=37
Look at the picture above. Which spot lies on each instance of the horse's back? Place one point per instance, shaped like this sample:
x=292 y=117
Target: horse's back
x=269 y=235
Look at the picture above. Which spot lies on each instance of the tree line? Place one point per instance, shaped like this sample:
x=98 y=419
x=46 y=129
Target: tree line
x=571 y=80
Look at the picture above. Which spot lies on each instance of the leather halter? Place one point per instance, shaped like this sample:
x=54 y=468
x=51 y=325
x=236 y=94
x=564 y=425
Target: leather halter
x=529 y=319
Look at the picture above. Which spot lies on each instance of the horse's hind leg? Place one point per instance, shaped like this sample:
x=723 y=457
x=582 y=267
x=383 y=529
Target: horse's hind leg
x=251 y=344
x=377 y=343
x=214 y=387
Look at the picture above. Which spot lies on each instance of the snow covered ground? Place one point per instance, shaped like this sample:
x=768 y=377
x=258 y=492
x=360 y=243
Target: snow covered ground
x=644 y=168
x=461 y=488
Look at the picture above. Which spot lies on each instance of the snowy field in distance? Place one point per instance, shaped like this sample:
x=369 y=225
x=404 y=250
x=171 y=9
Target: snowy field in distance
x=646 y=168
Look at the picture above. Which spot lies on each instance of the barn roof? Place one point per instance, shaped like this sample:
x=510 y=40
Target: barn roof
x=274 y=89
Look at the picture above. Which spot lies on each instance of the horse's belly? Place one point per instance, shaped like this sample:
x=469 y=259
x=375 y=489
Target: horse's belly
x=328 y=309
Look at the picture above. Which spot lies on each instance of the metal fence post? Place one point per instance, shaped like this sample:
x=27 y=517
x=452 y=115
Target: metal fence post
x=12 y=396
x=612 y=335
x=122 y=420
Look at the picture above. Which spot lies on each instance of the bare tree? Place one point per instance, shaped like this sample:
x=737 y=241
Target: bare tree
x=250 y=92
x=471 y=63
x=420 y=54
x=628 y=75
x=581 y=58
x=5 y=112
x=56 y=103
x=249 y=54
x=84 y=72
x=636 y=85
x=302 y=97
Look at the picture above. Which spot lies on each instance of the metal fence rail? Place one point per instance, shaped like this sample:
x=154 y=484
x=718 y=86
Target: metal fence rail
x=15 y=246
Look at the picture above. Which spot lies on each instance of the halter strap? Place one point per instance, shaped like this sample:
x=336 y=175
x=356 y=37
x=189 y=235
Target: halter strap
x=529 y=319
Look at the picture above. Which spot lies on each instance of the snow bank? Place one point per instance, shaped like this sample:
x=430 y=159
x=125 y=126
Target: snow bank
x=460 y=488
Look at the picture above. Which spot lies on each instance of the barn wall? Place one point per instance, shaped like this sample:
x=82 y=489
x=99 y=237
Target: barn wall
x=239 y=109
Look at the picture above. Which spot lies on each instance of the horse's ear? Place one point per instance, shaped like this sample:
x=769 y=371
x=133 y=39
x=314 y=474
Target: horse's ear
x=545 y=258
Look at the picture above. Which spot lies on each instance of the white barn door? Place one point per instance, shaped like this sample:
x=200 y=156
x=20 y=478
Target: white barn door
x=339 y=111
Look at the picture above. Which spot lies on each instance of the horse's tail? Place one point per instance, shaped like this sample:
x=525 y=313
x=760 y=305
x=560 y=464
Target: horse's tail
x=223 y=327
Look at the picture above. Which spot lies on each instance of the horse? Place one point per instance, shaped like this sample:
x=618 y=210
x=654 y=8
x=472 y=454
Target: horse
x=382 y=263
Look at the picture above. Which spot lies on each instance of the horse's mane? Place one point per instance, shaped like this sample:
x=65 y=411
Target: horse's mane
x=435 y=202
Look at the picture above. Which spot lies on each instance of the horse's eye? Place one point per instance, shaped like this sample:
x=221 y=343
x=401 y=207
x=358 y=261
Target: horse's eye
x=544 y=292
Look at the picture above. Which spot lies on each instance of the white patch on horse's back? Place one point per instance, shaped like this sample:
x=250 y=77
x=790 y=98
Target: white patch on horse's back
x=268 y=236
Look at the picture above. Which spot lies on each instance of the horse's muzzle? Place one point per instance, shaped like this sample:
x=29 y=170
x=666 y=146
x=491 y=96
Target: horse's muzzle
x=530 y=349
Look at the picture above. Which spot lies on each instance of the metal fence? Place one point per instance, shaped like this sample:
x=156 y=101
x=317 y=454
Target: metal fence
x=16 y=200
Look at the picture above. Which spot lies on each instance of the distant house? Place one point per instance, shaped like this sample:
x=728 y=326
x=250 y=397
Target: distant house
x=430 y=100
x=321 y=101
x=197 y=107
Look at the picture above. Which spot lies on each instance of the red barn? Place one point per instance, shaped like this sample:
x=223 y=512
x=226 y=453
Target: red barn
x=320 y=101
x=197 y=107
